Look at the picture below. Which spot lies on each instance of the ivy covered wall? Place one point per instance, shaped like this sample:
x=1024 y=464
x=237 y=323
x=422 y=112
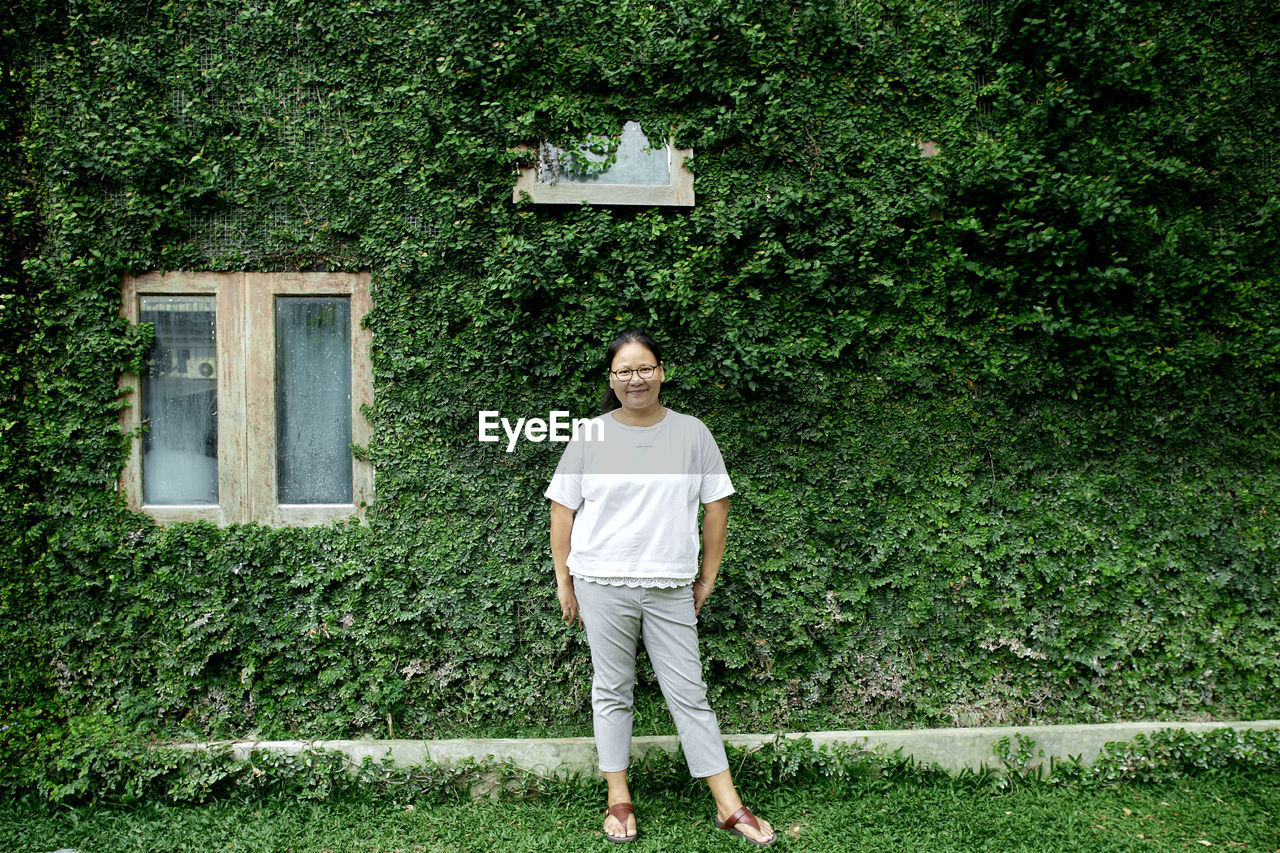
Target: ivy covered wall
x=1002 y=420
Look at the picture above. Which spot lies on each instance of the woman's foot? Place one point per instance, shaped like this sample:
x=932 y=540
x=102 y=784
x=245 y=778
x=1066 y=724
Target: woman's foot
x=732 y=815
x=743 y=823
x=620 y=823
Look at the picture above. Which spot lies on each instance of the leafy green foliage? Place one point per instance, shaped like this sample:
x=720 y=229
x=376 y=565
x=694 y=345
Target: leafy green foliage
x=98 y=760
x=1176 y=754
x=1226 y=811
x=1002 y=421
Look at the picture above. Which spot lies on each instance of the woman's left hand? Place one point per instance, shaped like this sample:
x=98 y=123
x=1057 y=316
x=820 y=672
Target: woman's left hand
x=700 y=593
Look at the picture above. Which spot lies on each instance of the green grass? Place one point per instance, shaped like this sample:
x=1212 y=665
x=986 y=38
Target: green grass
x=1236 y=812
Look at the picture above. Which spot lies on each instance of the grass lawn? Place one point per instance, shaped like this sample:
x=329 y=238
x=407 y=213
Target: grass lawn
x=1237 y=812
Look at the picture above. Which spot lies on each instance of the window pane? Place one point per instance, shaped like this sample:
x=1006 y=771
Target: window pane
x=313 y=399
x=636 y=162
x=180 y=402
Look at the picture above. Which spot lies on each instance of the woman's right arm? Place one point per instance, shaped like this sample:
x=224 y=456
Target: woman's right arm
x=561 y=530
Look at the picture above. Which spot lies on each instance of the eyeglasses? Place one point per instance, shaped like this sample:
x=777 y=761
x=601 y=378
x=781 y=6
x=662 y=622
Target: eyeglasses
x=644 y=372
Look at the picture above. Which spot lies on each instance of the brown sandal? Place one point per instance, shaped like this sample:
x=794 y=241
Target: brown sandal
x=744 y=815
x=621 y=811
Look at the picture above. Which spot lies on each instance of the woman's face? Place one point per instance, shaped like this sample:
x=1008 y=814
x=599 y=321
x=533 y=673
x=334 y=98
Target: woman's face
x=635 y=393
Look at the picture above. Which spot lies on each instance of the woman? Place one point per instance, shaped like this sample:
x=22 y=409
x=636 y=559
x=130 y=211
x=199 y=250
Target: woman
x=628 y=567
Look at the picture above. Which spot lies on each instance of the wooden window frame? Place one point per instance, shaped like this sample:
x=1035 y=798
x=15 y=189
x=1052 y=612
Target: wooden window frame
x=247 y=464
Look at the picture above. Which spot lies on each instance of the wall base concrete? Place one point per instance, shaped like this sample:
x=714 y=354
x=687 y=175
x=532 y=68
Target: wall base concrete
x=953 y=749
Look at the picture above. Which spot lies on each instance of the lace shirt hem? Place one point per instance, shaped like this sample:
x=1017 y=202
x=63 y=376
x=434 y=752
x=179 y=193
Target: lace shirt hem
x=644 y=583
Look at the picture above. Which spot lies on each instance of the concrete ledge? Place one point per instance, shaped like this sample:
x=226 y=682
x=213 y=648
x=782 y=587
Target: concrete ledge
x=952 y=749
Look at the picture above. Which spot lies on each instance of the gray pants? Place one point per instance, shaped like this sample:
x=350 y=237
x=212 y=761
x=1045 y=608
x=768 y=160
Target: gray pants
x=615 y=618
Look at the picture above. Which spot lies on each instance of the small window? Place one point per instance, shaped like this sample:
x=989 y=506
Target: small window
x=180 y=402
x=251 y=396
x=313 y=399
x=627 y=171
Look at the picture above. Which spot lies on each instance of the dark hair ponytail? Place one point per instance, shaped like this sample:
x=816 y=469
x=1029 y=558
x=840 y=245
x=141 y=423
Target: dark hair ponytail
x=610 y=400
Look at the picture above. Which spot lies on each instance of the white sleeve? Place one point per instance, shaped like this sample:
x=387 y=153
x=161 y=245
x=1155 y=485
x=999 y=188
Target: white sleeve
x=715 y=477
x=566 y=482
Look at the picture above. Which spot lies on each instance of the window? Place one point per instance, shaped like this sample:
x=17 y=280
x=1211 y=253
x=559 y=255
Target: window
x=250 y=399
x=633 y=173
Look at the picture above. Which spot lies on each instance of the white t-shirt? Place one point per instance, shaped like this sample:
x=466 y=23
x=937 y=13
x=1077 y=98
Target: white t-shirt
x=636 y=493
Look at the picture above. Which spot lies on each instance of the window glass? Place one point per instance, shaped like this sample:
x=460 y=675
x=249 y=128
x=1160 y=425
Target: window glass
x=313 y=399
x=636 y=164
x=180 y=401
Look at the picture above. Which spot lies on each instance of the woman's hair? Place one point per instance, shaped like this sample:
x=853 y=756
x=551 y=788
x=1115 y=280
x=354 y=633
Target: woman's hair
x=632 y=336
